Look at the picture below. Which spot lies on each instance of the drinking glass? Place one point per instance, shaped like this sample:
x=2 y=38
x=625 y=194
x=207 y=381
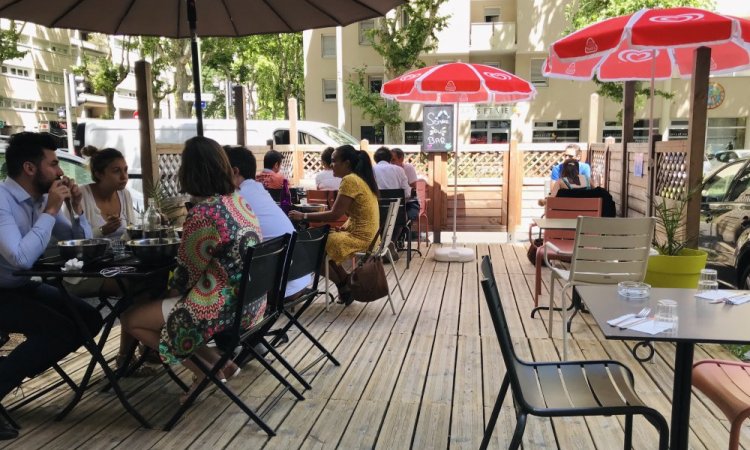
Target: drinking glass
x=708 y=280
x=666 y=311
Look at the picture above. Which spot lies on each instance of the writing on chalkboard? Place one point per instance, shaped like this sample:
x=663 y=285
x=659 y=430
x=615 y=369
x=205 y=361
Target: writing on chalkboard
x=437 y=128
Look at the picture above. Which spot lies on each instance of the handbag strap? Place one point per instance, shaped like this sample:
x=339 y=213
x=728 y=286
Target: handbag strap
x=368 y=253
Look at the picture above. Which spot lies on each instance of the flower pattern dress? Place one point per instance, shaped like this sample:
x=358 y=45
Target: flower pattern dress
x=216 y=234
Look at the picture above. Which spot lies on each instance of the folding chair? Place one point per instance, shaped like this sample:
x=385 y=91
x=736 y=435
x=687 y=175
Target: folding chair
x=606 y=251
x=562 y=389
x=275 y=194
x=403 y=224
x=307 y=258
x=264 y=264
x=423 y=218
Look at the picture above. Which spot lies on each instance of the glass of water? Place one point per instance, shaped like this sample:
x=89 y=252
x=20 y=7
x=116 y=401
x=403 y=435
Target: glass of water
x=708 y=281
x=666 y=311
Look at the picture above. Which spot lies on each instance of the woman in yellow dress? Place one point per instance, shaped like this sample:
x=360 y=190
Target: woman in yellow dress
x=358 y=199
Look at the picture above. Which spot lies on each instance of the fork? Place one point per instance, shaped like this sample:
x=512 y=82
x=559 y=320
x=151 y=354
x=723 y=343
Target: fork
x=639 y=315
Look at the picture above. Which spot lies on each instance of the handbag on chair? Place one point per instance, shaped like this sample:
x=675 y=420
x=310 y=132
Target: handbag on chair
x=367 y=281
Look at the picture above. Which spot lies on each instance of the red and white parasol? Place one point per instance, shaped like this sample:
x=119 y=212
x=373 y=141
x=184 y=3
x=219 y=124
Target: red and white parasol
x=456 y=83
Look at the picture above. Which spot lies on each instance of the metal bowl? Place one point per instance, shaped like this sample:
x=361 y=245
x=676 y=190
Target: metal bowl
x=154 y=250
x=136 y=232
x=83 y=249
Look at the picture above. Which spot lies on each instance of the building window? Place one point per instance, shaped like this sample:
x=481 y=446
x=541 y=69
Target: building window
x=404 y=19
x=640 y=130
x=376 y=82
x=494 y=64
x=413 y=133
x=444 y=61
x=329 y=90
x=489 y=131
x=328 y=46
x=47 y=107
x=49 y=77
x=373 y=134
x=492 y=14
x=536 y=77
x=16 y=71
x=725 y=133
x=557 y=131
x=23 y=104
x=59 y=48
x=364 y=27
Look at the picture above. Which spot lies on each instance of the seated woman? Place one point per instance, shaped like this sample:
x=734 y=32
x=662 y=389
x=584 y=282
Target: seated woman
x=218 y=230
x=325 y=180
x=570 y=178
x=358 y=199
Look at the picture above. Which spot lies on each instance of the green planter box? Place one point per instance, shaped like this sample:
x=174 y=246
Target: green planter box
x=681 y=271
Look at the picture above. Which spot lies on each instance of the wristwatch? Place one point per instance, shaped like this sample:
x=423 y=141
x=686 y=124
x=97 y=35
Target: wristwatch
x=304 y=216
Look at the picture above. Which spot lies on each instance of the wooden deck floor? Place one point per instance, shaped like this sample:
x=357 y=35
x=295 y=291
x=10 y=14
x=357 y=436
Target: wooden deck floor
x=424 y=378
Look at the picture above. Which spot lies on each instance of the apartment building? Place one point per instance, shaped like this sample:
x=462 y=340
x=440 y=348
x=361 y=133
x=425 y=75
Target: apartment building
x=514 y=36
x=32 y=88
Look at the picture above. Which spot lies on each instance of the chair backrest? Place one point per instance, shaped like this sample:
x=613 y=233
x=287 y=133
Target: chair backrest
x=401 y=218
x=569 y=208
x=609 y=250
x=308 y=254
x=264 y=268
x=422 y=196
x=275 y=194
x=389 y=210
x=318 y=197
x=491 y=294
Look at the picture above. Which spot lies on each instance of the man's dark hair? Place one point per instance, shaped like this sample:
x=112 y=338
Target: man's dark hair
x=243 y=159
x=327 y=156
x=271 y=158
x=398 y=152
x=27 y=146
x=383 y=154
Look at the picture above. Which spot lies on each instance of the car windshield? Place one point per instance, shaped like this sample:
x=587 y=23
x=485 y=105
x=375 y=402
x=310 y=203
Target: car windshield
x=340 y=136
x=72 y=169
x=717 y=186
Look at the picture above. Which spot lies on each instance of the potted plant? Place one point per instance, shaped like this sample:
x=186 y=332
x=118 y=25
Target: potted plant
x=676 y=265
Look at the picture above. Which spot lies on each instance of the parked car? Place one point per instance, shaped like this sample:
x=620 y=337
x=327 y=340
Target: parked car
x=73 y=166
x=713 y=161
x=725 y=221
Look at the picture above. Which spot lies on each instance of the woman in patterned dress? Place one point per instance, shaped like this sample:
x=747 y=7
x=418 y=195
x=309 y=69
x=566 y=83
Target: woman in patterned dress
x=218 y=230
x=358 y=199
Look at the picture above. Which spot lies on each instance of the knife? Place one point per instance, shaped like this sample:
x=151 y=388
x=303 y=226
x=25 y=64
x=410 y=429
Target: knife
x=633 y=323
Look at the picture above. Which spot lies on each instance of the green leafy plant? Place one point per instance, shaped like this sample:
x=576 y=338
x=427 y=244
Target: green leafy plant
x=738 y=350
x=171 y=208
x=669 y=217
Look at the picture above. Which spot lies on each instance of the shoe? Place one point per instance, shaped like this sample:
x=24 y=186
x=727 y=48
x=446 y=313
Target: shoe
x=7 y=431
x=229 y=371
x=345 y=296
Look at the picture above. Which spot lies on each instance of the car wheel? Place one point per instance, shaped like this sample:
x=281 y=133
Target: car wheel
x=744 y=281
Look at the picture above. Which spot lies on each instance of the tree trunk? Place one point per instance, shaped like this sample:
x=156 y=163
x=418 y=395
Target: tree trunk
x=394 y=135
x=110 y=96
x=182 y=82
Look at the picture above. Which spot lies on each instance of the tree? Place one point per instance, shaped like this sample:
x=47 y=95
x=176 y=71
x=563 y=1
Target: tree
x=581 y=13
x=400 y=38
x=161 y=53
x=104 y=74
x=9 y=42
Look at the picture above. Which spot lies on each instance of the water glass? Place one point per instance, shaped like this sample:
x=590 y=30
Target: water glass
x=708 y=280
x=118 y=246
x=666 y=311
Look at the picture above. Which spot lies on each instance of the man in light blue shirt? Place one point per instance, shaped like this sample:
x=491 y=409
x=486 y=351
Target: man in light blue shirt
x=273 y=221
x=31 y=212
x=572 y=151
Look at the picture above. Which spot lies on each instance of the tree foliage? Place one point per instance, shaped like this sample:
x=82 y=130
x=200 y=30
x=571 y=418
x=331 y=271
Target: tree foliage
x=9 y=42
x=581 y=13
x=165 y=55
x=400 y=38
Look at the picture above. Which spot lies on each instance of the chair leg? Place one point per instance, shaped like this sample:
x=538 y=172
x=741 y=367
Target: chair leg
x=518 y=434
x=551 y=302
x=658 y=421
x=327 y=271
x=734 y=433
x=564 y=321
x=285 y=363
x=538 y=278
x=495 y=413
x=316 y=343
x=628 y=432
x=390 y=302
x=8 y=418
x=398 y=283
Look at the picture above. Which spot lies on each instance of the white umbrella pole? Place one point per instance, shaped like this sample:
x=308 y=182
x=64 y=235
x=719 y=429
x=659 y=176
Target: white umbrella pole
x=455 y=174
x=651 y=152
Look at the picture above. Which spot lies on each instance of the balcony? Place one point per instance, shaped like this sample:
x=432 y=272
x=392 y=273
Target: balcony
x=493 y=37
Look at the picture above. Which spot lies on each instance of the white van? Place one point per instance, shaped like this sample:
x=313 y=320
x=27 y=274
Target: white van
x=123 y=134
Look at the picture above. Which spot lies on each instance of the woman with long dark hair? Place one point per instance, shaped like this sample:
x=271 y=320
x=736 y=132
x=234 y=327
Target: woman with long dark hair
x=570 y=178
x=358 y=199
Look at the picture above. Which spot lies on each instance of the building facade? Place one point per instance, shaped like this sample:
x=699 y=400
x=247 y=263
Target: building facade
x=514 y=36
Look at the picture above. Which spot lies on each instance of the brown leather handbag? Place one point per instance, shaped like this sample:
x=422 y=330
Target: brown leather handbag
x=367 y=281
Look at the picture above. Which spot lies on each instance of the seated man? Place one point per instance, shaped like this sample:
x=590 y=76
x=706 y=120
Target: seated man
x=412 y=202
x=273 y=221
x=387 y=175
x=271 y=177
x=572 y=151
x=31 y=200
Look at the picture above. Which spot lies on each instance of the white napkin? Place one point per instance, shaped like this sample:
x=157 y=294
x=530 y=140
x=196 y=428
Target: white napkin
x=739 y=299
x=652 y=327
x=72 y=264
x=730 y=296
x=622 y=318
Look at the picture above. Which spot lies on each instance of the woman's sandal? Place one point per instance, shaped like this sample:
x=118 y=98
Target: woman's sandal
x=229 y=371
x=345 y=295
x=143 y=371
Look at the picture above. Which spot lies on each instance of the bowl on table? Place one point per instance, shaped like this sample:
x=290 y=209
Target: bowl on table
x=83 y=249
x=154 y=250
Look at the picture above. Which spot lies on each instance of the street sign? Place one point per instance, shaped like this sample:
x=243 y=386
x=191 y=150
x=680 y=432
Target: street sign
x=61 y=112
x=190 y=96
x=203 y=105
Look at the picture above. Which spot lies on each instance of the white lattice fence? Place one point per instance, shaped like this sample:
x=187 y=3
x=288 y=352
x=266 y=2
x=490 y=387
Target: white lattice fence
x=537 y=164
x=671 y=175
x=311 y=163
x=169 y=164
x=598 y=162
x=476 y=165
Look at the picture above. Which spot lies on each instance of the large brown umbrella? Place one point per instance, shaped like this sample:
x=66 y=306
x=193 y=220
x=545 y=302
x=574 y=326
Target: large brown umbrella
x=193 y=18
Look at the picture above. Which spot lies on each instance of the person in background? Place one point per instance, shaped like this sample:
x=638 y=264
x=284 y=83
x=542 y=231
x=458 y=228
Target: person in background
x=387 y=175
x=570 y=178
x=572 y=151
x=325 y=180
x=271 y=177
x=412 y=202
x=219 y=229
x=31 y=200
x=273 y=221
x=358 y=199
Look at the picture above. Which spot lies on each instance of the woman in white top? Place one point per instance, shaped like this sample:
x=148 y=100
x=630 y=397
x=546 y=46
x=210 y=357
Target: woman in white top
x=107 y=202
x=325 y=180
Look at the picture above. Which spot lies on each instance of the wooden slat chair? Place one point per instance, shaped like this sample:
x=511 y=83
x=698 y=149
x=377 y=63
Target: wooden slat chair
x=727 y=384
x=562 y=389
x=561 y=208
x=606 y=251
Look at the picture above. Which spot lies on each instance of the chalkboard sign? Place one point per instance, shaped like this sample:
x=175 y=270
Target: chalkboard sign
x=437 y=128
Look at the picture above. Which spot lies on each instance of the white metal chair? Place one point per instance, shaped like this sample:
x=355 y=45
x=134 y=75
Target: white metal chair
x=606 y=251
x=383 y=249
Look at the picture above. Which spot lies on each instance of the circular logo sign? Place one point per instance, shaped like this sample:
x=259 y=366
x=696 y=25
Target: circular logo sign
x=716 y=95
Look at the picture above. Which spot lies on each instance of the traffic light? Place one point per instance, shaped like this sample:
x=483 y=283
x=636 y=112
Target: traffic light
x=76 y=88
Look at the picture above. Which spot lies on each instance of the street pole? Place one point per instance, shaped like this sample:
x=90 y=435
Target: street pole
x=68 y=122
